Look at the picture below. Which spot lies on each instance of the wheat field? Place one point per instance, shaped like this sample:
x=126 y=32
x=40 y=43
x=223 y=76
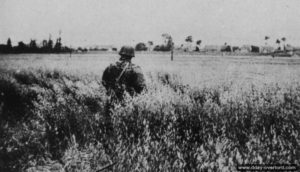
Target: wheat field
x=199 y=112
x=194 y=69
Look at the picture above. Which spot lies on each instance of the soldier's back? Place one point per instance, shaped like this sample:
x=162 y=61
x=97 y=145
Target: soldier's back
x=123 y=76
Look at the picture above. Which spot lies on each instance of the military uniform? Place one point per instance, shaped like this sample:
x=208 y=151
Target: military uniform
x=123 y=76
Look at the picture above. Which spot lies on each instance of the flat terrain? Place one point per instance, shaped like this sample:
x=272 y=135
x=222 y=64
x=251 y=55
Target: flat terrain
x=197 y=113
x=192 y=69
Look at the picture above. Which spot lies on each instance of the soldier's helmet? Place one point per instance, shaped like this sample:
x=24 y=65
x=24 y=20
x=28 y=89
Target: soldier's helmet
x=127 y=51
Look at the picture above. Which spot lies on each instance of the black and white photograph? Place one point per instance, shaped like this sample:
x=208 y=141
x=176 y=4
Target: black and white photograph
x=149 y=85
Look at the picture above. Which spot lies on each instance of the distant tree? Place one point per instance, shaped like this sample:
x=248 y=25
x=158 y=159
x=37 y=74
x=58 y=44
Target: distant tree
x=57 y=46
x=150 y=44
x=8 y=44
x=278 y=42
x=226 y=48
x=254 y=49
x=235 y=49
x=189 y=39
x=32 y=44
x=6 y=48
x=161 y=48
x=21 y=44
x=266 y=40
x=33 y=47
x=22 y=48
x=198 y=43
x=80 y=49
x=3 y=48
x=283 y=40
x=168 y=42
x=141 y=47
x=50 y=44
x=267 y=37
x=101 y=49
x=157 y=48
x=45 y=43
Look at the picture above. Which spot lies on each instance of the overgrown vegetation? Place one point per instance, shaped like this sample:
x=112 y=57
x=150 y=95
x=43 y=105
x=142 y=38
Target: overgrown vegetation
x=57 y=120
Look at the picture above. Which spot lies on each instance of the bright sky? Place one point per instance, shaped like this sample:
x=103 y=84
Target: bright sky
x=117 y=22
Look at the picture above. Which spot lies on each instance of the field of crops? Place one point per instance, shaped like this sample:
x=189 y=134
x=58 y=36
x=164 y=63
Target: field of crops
x=198 y=113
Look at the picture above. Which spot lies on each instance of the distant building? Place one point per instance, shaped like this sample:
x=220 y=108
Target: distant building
x=250 y=48
x=108 y=48
x=267 y=49
x=187 y=46
x=212 y=48
x=245 y=49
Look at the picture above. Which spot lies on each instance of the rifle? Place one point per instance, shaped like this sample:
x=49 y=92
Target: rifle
x=121 y=74
x=117 y=88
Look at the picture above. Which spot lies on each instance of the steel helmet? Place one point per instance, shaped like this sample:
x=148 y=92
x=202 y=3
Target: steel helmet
x=127 y=51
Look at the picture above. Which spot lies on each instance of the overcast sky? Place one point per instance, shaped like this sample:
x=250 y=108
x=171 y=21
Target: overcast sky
x=117 y=22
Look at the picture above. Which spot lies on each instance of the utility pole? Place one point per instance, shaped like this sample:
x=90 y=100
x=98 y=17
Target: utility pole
x=70 y=51
x=59 y=33
x=169 y=43
x=172 y=51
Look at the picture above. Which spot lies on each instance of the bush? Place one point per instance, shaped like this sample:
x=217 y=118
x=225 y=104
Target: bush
x=69 y=119
x=141 y=47
x=162 y=48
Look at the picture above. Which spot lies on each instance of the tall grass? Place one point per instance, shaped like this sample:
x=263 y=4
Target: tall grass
x=54 y=119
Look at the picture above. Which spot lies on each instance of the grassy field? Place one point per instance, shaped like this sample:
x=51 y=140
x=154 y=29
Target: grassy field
x=198 y=113
x=193 y=69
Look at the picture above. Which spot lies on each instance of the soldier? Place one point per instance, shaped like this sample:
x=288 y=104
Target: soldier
x=123 y=76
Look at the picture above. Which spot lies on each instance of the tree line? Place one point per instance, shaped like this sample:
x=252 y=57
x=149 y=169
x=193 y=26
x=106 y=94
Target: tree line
x=47 y=46
x=169 y=45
